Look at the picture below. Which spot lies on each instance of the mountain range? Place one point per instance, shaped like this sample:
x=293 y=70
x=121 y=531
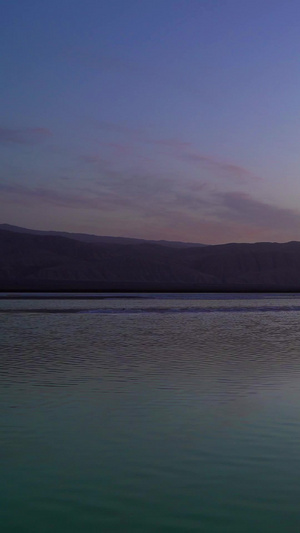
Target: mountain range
x=85 y=237
x=33 y=260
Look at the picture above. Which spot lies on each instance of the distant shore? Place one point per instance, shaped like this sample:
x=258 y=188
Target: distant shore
x=142 y=294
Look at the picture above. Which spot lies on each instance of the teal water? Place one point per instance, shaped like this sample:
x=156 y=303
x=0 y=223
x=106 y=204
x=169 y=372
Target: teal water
x=161 y=414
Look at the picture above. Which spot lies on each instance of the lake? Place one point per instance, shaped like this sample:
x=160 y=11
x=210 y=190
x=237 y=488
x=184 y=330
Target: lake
x=157 y=413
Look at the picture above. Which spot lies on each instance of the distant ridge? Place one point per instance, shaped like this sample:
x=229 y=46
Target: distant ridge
x=85 y=237
x=35 y=261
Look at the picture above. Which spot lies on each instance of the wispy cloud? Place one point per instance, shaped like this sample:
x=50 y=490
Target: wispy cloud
x=244 y=208
x=108 y=197
x=220 y=167
x=24 y=136
x=22 y=194
x=130 y=140
x=140 y=192
x=123 y=186
x=185 y=151
x=147 y=207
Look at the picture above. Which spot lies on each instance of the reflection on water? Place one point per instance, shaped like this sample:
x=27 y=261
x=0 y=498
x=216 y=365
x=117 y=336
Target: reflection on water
x=156 y=414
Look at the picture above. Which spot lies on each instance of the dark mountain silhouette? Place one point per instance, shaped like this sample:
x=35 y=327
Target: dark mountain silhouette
x=46 y=262
x=85 y=237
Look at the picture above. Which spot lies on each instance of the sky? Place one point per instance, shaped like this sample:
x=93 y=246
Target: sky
x=156 y=119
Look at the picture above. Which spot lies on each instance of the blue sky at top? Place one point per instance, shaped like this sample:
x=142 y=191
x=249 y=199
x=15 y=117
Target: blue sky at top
x=156 y=119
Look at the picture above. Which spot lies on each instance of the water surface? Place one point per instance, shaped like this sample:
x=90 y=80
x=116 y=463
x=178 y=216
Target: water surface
x=159 y=413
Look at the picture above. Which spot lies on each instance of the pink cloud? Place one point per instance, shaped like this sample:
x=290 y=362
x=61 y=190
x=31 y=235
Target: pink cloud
x=78 y=199
x=166 y=209
x=184 y=151
x=245 y=209
x=237 y=172
x=178 y=149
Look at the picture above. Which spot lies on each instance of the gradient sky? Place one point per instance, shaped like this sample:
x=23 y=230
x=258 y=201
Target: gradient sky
x=159 y=119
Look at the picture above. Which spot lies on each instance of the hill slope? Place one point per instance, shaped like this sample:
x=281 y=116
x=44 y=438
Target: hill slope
x=45 y=262
x=85 y=237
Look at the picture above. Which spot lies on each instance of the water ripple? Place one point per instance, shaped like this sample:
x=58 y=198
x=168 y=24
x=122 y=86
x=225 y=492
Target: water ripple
x=158 y=309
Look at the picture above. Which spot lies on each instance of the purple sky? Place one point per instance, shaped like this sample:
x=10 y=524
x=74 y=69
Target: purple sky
x=158 y=119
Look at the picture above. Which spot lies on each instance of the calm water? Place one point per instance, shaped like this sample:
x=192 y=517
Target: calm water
x=162 y=414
